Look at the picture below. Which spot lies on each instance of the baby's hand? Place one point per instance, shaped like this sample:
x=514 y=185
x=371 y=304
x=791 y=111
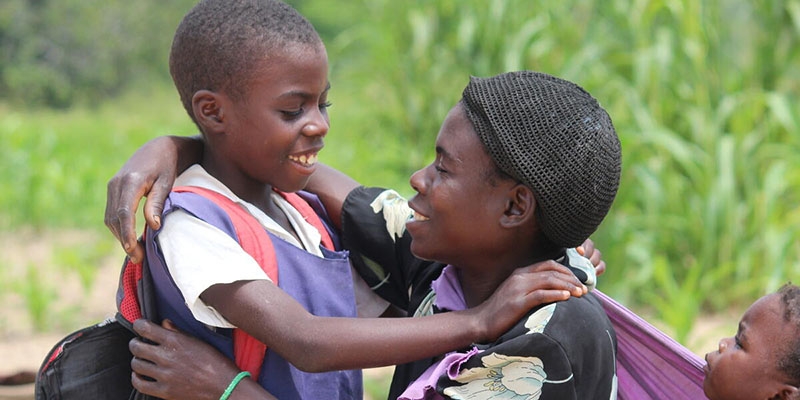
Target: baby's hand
x=588 y=250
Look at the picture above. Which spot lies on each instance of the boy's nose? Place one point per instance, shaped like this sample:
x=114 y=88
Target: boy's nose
x=317 y=126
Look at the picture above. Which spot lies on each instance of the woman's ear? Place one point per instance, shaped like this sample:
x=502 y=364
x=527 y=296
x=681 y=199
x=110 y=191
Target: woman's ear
x=520 y=206
x=788 y=392
x=207 y=107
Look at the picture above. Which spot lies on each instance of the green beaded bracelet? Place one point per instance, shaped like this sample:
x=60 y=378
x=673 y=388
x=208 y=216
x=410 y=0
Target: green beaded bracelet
x=238 y=378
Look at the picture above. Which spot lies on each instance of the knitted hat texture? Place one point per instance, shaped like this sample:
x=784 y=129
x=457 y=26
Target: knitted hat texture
x=554 y=137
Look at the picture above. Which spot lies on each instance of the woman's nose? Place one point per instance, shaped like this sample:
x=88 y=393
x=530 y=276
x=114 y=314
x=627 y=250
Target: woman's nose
x=417 y=181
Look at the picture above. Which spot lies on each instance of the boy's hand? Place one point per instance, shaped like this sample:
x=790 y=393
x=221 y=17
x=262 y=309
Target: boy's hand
x=540 y=283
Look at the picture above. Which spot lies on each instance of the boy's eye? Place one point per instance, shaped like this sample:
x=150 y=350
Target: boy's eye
x=737 y=342
x=292 y=113
x=439 y=169
x=325 y=105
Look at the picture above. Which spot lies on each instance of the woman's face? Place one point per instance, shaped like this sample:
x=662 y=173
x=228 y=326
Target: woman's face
x=458 y=199
x=746 y=366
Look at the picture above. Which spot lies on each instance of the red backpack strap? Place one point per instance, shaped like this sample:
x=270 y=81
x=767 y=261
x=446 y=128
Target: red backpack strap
x=248 y=351
x=129 y=305
x=310 y=216
x=127 y=299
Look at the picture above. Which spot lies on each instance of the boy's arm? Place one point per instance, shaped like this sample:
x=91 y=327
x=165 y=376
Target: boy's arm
x=150 y=172
x=317 y=344
x=187 y=368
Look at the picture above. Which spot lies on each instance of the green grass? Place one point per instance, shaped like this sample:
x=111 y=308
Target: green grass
x=55 y=164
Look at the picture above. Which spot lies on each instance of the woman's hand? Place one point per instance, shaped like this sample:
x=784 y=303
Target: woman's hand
x=149 y=172
x=169 y=364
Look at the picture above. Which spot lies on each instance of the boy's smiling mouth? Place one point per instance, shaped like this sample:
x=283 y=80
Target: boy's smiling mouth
x=419 y=217
x=305 y=160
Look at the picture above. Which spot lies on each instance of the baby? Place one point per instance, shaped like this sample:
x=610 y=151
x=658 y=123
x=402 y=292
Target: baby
x=763 y=360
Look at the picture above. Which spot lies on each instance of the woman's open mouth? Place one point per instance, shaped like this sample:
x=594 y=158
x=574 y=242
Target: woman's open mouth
x=419 y=217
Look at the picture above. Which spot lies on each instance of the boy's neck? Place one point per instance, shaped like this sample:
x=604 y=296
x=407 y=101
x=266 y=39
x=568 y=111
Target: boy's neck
x=256 y=193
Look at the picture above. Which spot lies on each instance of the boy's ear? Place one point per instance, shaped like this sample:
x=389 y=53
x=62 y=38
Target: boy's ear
x=520 y=206
x=208 y=110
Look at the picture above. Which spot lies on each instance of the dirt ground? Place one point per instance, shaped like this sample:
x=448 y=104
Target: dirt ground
x=22 y=347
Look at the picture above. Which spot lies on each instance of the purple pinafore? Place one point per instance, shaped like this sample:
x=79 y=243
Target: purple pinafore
x=324 y=286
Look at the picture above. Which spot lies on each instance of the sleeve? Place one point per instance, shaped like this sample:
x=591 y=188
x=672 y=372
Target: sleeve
x=373 y=231
x=532 y=366
x=198 y=255
x=563 y=350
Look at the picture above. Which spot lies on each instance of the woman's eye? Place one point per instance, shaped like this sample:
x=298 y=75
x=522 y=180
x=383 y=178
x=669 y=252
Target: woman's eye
x=737 y=342
x=325 y=105
x=440 y=169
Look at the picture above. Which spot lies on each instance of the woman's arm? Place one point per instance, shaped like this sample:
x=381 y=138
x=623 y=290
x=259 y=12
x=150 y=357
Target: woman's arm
x=315 y=344
x=332 y=187
x=149 y=172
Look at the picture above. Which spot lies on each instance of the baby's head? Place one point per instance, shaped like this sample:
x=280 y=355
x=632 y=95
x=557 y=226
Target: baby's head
x=221 y=45
x=554 y=137
x=763 y=360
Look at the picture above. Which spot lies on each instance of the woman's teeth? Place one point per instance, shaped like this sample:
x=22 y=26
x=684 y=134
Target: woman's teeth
x=420 y=217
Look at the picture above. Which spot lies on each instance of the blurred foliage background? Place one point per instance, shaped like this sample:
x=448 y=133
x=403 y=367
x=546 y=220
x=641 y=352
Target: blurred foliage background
x=704 y=96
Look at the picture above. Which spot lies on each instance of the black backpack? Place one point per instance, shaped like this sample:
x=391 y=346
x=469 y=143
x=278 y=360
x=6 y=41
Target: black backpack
x=94 y=362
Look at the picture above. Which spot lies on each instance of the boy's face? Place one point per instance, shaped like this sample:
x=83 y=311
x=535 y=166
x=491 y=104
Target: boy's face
x=273 y=134
x=456 y=207
x=745 y=366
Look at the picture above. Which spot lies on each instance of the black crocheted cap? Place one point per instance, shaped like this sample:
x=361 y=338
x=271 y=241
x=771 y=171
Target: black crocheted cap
x=554 y=137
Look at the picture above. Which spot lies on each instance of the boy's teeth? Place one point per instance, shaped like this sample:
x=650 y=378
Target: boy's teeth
x=305 y=159
x=420 y=217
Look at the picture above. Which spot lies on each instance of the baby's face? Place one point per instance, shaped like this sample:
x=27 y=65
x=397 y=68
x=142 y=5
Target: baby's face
x=745 y=366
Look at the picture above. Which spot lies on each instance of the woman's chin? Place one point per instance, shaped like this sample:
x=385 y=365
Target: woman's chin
x=420 y=252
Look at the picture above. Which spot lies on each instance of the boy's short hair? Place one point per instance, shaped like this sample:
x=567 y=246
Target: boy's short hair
x=219 y=43
x=555 y=138
x=790 y=362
